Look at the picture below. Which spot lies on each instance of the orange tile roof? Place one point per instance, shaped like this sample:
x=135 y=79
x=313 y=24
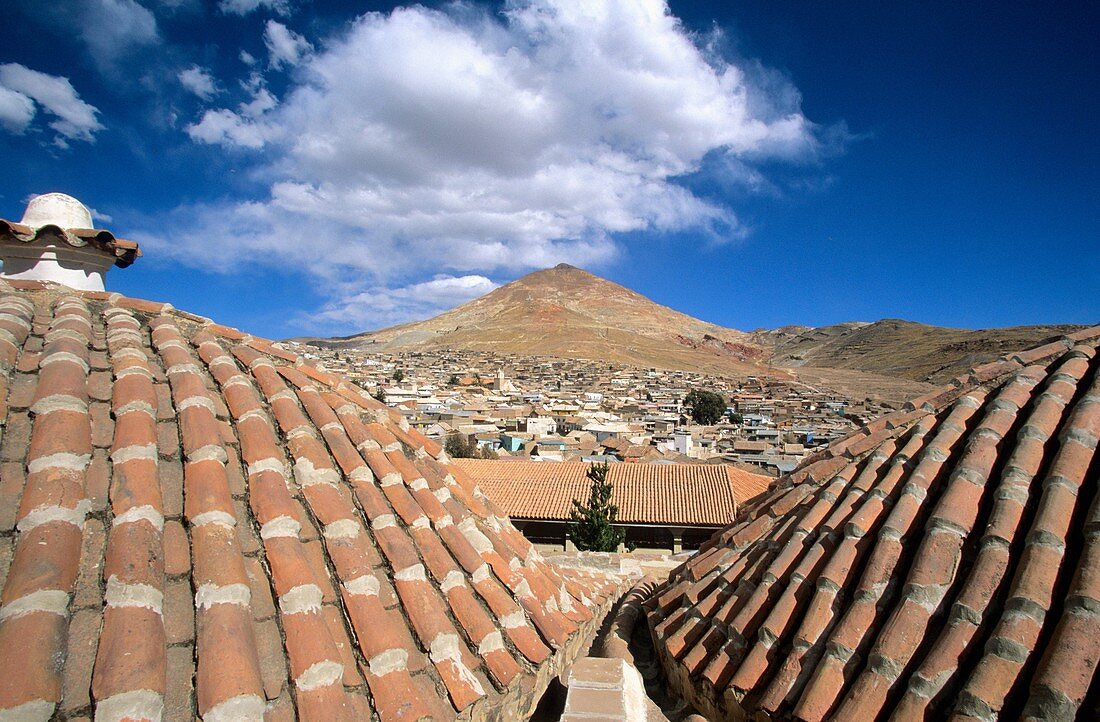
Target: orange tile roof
x=194 y=522
x=943 y=561
x=690 y=494
x=125 y=252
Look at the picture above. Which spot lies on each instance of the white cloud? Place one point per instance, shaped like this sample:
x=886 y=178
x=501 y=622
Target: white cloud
x=379 y=307
x=100 y=217
x=244 y=7
x=246 y=127
x=286 y=47
x=110 y=30
x=16 y=111
x=422 y=142
x=181 y=5
x=113 y=28
x=75 y=119
x=247 y=58
x=199 y=81
x=224 y=127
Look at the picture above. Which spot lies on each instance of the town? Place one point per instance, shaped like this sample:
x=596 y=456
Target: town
x=503 y=406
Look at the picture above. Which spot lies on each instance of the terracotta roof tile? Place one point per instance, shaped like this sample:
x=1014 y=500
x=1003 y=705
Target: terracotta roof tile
x=938 y=562
x=125 y=252
x=195 y=521
x=694 y=494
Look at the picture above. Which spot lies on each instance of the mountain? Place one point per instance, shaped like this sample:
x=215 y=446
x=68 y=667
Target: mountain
x=900 y=349
x=567 y=312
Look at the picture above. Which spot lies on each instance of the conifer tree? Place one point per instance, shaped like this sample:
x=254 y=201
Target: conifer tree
x=591 y=528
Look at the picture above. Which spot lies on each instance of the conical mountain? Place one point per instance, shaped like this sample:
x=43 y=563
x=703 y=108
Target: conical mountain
x=567 y=312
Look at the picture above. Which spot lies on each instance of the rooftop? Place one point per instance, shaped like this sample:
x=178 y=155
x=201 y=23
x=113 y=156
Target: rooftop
x=940 y=561
x=195 y=522
x=689 y=494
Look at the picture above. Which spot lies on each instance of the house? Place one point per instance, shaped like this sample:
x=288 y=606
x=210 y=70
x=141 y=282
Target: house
x=661 y=506
x=540 y=425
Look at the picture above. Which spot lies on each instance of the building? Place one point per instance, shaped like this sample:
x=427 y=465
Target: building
x=195 y=522
x=661 y=506
x=941 y=562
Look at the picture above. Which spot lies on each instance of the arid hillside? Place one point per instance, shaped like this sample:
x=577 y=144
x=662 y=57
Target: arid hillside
x=567 y=312
x=901 y=349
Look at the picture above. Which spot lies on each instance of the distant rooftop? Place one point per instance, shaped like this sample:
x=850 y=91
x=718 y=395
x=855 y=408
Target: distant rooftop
x=687 y=494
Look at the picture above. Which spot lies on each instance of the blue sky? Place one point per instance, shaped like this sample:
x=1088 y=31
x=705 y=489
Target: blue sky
x=311 y=167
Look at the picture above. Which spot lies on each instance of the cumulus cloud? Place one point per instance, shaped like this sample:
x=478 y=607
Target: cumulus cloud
x=16 y=111
x=113 y=28
x=110 y=30
x=286 y=47
x=225 y=127
x=447 y=141
x=245 y=127
x=100 y=217
x=199 y=81
x=21 y=88
x=181 y=5
x=244 y=7
x=380 y=307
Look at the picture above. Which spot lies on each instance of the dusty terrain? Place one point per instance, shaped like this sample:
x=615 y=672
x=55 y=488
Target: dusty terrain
x=564 y=311
x=901 y=349
x=567 y=312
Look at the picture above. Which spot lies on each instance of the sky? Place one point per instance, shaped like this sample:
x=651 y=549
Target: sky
x=297 y=167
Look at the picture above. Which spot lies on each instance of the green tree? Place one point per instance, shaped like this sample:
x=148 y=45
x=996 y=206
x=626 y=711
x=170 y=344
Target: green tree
x=457 y=447
x=398 y=376
x=591 y=526
x=706 y=407
x=379 y=393
x=453 y=381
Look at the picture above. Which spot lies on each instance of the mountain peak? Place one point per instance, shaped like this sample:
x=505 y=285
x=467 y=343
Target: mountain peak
x=569 y=312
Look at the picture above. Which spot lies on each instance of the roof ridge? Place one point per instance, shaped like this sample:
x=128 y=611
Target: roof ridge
x=931 y=564
x=126 y=252
x=354 y=562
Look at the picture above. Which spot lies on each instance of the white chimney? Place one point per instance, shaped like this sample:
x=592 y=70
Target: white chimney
x=55 y=242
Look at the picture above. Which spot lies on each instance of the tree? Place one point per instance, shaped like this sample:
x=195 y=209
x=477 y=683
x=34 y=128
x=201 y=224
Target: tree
x=706 y=406
x=457 y=447
x=379 y=393
x=453 y=381
x=736 y=418
x=398 y=376
x=591 y=526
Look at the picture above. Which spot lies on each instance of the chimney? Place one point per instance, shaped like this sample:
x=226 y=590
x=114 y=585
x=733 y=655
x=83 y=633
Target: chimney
x=55 y=242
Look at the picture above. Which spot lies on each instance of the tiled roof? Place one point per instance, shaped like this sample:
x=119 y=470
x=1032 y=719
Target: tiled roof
x=943 y=561
x=195 y=522
x=693 y=494
x=125 y=252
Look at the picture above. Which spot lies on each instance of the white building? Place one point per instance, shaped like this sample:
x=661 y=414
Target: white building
x=683 y=442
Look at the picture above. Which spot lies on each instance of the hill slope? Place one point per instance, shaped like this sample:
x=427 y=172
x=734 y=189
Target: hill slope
x=565 y=311
x=903 y=349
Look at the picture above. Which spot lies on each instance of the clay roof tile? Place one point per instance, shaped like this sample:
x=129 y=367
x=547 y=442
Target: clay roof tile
x=196 y=521
x=938 y=564
x=690 y=494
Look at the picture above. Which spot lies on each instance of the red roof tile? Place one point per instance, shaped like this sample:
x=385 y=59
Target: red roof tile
x=194 y=522
x=693 y=494
x=125 y=252
x=941 y=561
